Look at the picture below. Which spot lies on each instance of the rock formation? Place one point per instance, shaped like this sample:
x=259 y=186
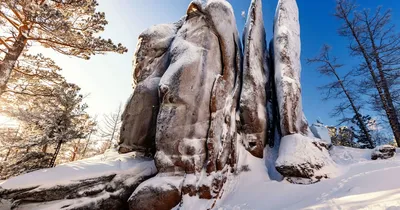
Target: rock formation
x=197 y=98
x=383 y=152
x=196 y=131
x=287 y=68
x=209 y=101
x=253 y=98
x=150 y=63
x=302 y=158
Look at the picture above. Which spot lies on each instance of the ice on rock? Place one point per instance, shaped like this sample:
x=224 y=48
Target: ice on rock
x=253 y=99
x=320 y=131
x=287 y=67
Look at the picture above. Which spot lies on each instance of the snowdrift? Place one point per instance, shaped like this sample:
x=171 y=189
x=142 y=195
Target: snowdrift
x=95 y=183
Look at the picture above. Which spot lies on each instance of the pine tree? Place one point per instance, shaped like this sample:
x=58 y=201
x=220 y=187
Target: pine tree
x=68 y=27
x=47 y=121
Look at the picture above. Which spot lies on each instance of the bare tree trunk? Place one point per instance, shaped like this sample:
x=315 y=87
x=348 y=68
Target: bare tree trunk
x=9 y=61
x=115 y=126
x=74 y=152
x=8 y=154
x=363 y=127
x=87 y=144
x=44 y=148
x=386 y=102
x=390 y=110
x=53 y=159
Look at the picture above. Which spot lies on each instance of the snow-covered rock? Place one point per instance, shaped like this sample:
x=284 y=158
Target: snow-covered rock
x=383 y=152
x=150 y=63
x=320 y=131
x=102 y=182
x=304 y=160
x=185 y=91
x=253 y=98
x=287 y=68
x=161 y=193
x=199 y=93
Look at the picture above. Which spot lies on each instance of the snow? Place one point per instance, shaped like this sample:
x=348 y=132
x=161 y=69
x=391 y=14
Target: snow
x=297 y=149
x=320 y=131
x=161 y=180
x=109 y=163
x=362 y=184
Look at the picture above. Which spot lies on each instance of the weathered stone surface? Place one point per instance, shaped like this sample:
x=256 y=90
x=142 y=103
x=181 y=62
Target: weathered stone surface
x=253 y=98
x=150 y=63
x=160 y=198
x=185 y=91
x=383 y=152
x=199 y=92
x=287 y=68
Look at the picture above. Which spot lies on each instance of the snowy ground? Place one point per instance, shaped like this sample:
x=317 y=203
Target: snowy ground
x=128 y=168
x=100 y=165
x=361 y=184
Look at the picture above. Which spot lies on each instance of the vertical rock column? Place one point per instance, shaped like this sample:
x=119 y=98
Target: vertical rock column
x=222 y=135
x=196 y=124
x=287 y=50
x=253 y=98
x=150 y=62
x=302 y=158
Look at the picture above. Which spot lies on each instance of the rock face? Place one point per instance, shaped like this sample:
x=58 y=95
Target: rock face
x=203 y=101
x=151 y=61
x=253 y=98
x=185 y=91
x=383 y=152
x=196 y=131
x=288 y=68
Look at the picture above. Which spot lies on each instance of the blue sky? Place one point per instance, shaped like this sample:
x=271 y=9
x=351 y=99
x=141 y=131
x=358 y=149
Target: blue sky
x=108 y=78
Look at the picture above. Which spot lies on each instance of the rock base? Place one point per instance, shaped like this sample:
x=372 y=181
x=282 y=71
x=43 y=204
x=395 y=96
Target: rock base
x=383 y=152
x=304 y=160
